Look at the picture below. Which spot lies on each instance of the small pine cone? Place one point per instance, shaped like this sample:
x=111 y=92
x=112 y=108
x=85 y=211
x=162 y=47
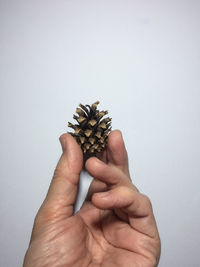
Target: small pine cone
x=92 y=130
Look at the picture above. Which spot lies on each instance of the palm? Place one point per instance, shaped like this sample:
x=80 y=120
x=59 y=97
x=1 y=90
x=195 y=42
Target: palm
x=89 y=238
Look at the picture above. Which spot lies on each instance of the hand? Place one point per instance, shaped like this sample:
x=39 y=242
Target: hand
x=114 y=227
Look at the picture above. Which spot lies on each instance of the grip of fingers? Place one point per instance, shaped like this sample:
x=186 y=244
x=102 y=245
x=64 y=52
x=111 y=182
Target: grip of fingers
x=131 y=201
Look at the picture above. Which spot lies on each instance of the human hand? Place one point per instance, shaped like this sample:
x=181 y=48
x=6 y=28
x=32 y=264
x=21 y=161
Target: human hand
x=115 y=225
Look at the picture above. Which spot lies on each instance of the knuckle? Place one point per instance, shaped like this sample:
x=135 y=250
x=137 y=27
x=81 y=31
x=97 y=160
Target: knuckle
x=124 y=190
x=147 y=201
x=125 y=193
x=61 y=169
x=39 y=218
x=57 y=173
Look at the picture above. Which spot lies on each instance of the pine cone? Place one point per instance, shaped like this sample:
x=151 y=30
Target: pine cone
x=92 y=130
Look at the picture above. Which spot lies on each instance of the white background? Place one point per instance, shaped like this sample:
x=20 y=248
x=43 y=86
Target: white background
x=141 y=59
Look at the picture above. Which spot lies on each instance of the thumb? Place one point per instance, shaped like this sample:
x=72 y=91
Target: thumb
x=64 y=185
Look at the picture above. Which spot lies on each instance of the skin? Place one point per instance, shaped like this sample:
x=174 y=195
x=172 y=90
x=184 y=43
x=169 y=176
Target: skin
x=115 y=225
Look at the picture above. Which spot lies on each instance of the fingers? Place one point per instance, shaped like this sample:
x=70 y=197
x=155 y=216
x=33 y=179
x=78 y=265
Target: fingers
x=109 y=174
x=116 y=151
x=95 y=187
x=121 y=235
x=63 y=188
x=122 y=196
x=111 y=167
x=115 y=156
x=136 y=205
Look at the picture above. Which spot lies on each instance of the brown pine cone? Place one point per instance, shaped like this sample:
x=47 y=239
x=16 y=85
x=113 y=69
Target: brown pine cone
x=92 y=130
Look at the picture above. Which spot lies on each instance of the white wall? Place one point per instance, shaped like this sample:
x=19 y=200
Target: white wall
x=141 y=59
